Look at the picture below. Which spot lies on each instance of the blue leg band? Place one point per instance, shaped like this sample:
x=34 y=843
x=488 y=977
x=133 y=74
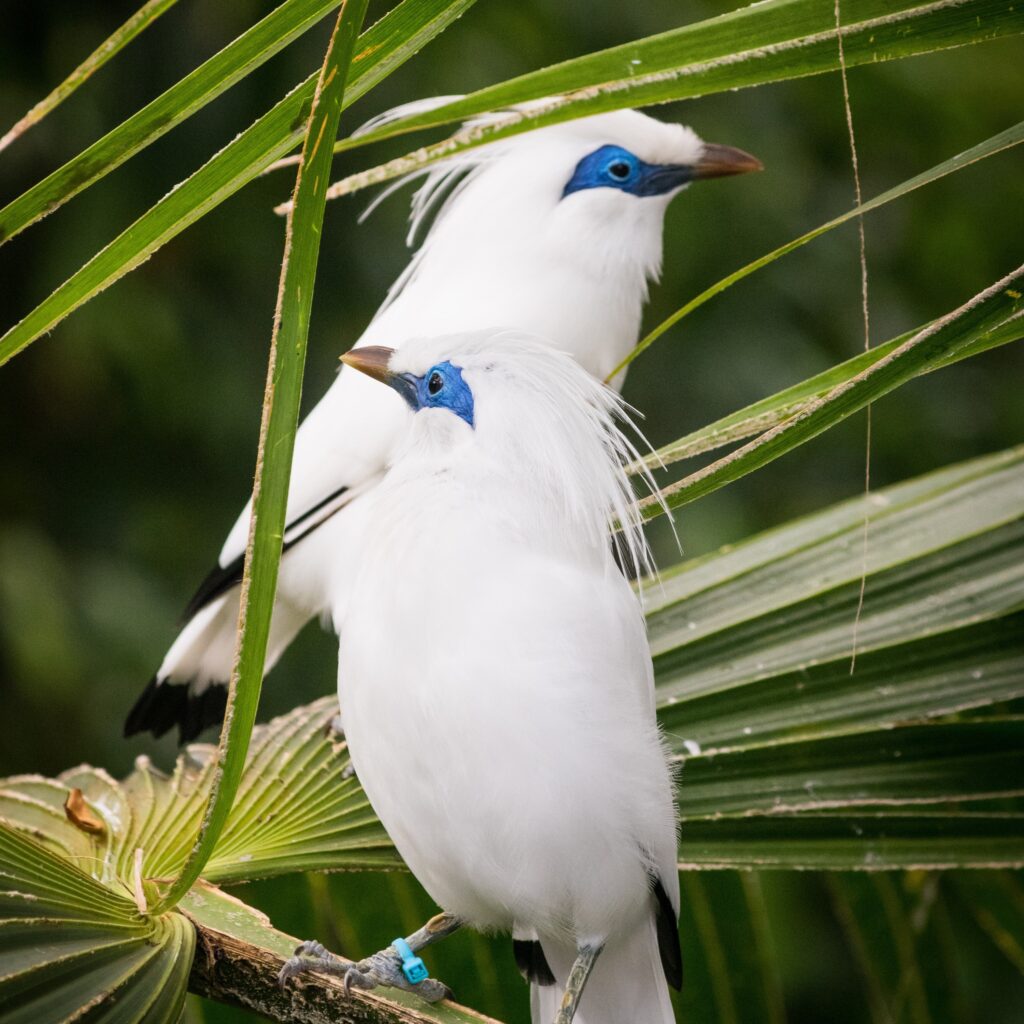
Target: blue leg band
x=414 y=969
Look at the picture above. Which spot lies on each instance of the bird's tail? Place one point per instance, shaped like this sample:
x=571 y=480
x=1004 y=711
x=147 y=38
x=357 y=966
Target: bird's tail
x=189 y=690
x=627 y=984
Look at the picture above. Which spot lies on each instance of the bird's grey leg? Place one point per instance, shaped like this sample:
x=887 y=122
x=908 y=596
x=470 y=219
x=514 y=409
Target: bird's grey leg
x=382 y=968
x=585 y=960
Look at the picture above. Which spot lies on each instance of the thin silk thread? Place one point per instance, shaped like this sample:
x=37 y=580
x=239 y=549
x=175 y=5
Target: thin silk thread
x=867 y=339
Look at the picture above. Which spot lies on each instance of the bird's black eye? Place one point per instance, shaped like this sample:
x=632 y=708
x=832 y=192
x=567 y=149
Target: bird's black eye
x=435 y=383
x=619 y=170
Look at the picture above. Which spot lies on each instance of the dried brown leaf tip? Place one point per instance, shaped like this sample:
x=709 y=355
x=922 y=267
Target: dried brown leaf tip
x=82 y=815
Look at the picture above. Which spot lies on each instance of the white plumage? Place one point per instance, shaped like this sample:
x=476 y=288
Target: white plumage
x=507 y=248
x=495 y=675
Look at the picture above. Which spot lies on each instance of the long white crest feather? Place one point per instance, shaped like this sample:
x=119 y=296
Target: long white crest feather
x=574 y=452
x=443 y=182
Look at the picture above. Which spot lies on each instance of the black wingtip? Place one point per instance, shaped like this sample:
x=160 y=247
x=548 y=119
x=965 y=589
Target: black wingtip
x=668 y=937
x=163 y=705
x=532 y=963
x=218 y=581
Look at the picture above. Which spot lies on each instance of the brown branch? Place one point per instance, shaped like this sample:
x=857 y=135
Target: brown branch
x=230 y=970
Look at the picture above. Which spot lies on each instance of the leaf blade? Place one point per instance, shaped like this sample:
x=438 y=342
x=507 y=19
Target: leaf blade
x=277 y=440
x=116 y=41
x=395 y=38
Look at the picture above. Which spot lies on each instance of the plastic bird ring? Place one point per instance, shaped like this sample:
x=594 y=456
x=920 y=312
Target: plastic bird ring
x=414 y=969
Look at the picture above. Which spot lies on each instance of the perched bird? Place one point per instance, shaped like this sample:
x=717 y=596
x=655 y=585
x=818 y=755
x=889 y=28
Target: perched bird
x=556 y=232
x=497 y=683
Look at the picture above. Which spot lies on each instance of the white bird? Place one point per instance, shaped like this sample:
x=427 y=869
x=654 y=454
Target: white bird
x=497 y=683
x=556 y=232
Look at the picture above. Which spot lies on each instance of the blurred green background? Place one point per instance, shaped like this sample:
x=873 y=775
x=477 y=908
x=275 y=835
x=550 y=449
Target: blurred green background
x=129 y=434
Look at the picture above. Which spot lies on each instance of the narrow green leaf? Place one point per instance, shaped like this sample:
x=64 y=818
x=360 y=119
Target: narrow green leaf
x=762 y=43
x=216 y=75
x=385 y=46
x=777 y=408
x=138 y=22
x=996 y=144
x=277 y=441
x=731 y=975
x=989 y=311
x=864 y=840
x=996 y=899
x=871 y=912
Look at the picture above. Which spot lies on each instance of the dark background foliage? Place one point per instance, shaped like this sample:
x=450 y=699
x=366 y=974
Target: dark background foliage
x=129 y=434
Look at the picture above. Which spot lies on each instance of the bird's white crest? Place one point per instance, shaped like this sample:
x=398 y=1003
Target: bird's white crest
x=545 y=429
x=541 y=162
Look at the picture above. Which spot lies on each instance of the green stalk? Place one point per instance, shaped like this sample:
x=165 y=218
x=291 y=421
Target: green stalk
x=989 y=147
x=941 y=341
x=138 y=22
x=277 y=441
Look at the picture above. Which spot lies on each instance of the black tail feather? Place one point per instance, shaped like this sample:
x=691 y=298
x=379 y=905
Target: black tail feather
x=163 y=705
x=668 y=936
x=531 y=961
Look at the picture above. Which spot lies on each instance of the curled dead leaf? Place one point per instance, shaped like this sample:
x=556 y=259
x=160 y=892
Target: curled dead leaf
x=82 y=815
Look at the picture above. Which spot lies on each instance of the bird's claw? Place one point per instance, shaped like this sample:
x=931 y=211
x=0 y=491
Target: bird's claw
x=385 y=968
x=382 y=968
x=308 y=957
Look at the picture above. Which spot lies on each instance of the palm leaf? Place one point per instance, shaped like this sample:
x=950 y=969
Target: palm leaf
x=385 y=46
x=69 y=941
x=993 y=312
x=787 y=759
x=765 y=42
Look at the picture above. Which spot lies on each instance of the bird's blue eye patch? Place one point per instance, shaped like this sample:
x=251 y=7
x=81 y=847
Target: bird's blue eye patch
x=615 y=167
x=441 y=387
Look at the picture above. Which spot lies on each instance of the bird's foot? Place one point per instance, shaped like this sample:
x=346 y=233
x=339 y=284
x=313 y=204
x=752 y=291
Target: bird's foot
x=312 y=957
x=388 y=967
x=382 y=968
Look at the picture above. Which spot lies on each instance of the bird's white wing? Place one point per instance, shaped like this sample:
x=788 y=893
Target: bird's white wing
x=344 y=442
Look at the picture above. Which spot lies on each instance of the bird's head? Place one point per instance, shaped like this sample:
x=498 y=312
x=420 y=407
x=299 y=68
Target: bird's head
x=611 y=177
x=627 y=158
x=556 y=231
x=505 y=411
x=593 y=189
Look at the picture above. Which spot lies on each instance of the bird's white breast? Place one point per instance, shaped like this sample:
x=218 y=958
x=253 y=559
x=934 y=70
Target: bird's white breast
x=499 y=720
